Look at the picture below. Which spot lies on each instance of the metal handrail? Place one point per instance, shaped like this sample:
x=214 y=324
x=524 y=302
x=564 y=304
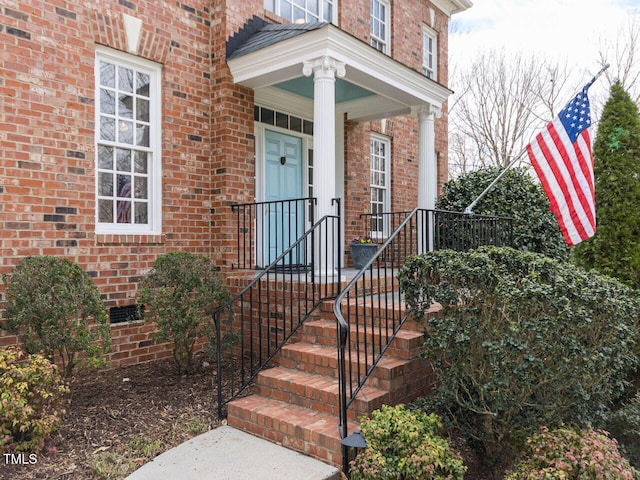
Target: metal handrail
x=328 y=226
x=420 y=231
x=254 y=228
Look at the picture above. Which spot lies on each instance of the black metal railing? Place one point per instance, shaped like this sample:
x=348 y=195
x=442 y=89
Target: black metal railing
x=265 y=229
x=370 y=309
x=264 y=315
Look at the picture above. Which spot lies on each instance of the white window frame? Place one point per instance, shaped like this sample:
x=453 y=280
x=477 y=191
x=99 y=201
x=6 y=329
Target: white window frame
x=381 y=43
x=429 y=55
x=380 y=165
x=154 y=154
x=288 y=8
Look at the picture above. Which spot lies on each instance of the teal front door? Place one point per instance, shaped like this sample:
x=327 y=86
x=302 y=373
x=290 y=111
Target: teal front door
x=284 y=222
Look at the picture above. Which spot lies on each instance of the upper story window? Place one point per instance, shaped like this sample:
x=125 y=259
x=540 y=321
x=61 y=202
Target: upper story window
x=381 y=25
x=303 y=11
x=127 y=144
x=429 y=53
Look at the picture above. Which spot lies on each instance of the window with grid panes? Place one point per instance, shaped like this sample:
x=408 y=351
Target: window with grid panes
x=380 y=183
x=380 y=25
x=429 y=53
x=127 y=143
x=303 y=11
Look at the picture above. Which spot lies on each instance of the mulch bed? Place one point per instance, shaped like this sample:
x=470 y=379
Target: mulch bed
x=112 y=410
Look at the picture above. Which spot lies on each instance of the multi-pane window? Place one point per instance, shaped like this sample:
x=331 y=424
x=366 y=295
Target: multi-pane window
x=429 y=53
x=302 y=11
x=380 y=184
x=127 y=143
x=380 y=25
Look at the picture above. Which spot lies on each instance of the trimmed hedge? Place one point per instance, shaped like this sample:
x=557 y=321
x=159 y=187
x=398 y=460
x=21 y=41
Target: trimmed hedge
x=522 y=340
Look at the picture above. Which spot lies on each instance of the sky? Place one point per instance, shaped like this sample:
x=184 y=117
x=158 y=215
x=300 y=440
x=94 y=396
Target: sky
x=563 y=29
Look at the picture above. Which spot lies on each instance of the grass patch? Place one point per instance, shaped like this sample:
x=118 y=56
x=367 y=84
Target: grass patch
x=111 y=466
x=196 y=426
x=145 y=447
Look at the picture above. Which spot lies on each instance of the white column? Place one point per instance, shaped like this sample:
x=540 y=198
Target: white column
x=427 y=162
x=427 y=171
x=325 y=70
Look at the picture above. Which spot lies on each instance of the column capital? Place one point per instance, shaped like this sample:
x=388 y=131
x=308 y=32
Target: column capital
x=423 y=112
x=324 y=66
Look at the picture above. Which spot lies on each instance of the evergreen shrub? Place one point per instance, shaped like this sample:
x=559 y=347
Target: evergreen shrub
x=32 y=400
x=522 y=340
x=404 y=444
x=182 y=292
x=54 y=308
x=572 y=454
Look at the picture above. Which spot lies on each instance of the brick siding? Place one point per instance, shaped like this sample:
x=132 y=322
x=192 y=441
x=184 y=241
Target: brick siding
x=47 y=126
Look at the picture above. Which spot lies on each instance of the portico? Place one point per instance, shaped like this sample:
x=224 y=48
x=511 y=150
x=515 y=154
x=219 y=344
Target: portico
x=318 y=71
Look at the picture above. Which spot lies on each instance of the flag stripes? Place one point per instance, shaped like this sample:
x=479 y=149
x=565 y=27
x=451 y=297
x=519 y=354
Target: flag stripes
x=561 y=156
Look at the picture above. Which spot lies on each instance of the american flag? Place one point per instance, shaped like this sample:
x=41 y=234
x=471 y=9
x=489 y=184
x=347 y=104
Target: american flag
x=561 y=156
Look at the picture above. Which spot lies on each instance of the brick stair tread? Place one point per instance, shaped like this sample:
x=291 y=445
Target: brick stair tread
x=298 y=428
x=403 y=333
x=329 y=357
x=318 y=388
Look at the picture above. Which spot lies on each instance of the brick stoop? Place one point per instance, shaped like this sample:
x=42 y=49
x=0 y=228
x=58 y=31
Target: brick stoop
x=295 y=404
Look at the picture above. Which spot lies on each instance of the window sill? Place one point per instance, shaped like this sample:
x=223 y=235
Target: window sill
x=129 y=239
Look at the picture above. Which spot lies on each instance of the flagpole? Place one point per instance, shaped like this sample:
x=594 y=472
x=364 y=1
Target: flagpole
x=469 y=209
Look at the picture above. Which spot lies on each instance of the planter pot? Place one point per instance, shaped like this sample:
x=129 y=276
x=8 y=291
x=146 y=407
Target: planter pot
x=361 y=253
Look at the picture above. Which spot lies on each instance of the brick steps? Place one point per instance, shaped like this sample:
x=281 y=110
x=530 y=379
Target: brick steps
x=407 y=343
x=304 y=430
x=296 y=403
x=317 y=392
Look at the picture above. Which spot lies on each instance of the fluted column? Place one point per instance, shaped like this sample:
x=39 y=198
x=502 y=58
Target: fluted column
x=325 y=70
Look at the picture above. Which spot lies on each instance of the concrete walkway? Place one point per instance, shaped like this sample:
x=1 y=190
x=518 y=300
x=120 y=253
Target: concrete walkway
x=226 y=453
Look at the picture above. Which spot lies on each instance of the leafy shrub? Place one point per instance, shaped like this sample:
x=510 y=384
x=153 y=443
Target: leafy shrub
x=404 y=445
x=516 y=195
x=55 y=308
x=182 y=291
x=572 y=454
x=32 y=397
x=624 y=426
x=522 y=340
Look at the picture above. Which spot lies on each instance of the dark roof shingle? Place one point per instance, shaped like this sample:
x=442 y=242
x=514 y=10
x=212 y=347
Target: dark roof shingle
x=270 y=34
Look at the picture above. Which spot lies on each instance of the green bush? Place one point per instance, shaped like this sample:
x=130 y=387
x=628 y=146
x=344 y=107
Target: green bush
x=404 y=445
x=55 y=308
x=182 y=291
x=572 y=454
x=615 y=248
x=516 y=195
x=624 y=425
x=32 y=397
x=522 y=340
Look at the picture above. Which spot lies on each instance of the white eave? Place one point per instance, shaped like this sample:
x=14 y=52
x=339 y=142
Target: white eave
x=395 y=88
x=451 y=7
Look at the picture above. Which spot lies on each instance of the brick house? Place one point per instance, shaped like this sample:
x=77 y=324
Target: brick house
x=182 y=102
x=132 y=128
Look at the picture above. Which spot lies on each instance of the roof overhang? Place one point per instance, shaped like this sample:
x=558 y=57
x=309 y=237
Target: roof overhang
x=451 y=7
x=392 y=87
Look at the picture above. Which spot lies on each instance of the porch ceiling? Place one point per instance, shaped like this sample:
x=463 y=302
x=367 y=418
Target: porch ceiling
x=375 y=85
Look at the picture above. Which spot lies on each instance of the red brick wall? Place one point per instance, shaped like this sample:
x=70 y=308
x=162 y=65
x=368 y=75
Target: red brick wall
x=47 y=124
x=47 y=152
x=408 y=19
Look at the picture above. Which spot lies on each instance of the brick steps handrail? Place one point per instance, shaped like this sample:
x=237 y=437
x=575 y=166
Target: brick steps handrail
x=420 y=231
x=255 y=326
